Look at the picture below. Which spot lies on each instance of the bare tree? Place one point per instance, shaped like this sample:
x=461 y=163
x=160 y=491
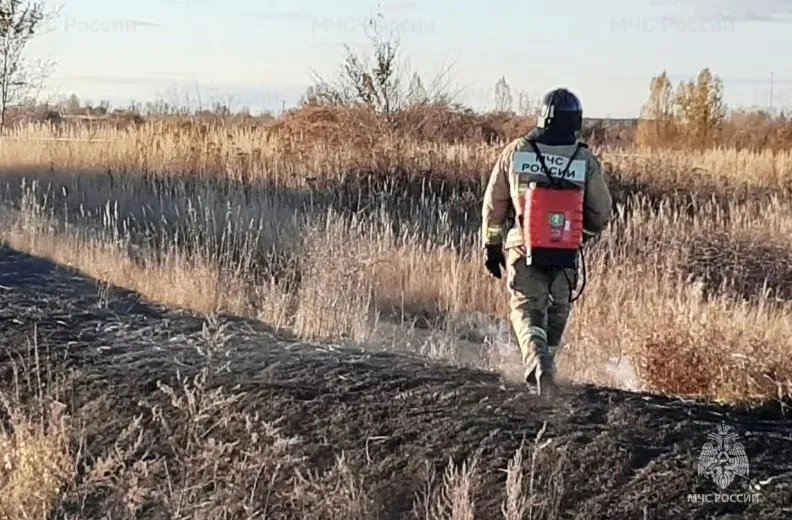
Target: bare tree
x=416 y=94
x=71 y=106
x=527 y=104
x=377 y=85
x=377 y=80
x=20 y=22
x=503 y=97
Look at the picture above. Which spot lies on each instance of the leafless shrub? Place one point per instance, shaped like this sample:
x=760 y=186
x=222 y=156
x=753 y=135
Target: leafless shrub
x=453 y=497
x=540 y=497
x=335 y=494
x=36 y=458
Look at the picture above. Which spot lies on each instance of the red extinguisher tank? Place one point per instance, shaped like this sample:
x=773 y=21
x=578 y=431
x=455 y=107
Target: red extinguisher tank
x=552 y=208
x=553 y=218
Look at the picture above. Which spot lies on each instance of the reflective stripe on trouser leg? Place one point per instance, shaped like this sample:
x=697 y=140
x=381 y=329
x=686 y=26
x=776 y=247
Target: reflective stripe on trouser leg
x=537 y=350
x=532 y=341
x=529 y=300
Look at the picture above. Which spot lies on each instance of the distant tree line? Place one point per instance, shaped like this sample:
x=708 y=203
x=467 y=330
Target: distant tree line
x=691 y=115
x=694 y=115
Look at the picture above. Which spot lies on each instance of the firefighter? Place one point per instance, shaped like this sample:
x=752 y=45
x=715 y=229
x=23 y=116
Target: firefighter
x=540 y=288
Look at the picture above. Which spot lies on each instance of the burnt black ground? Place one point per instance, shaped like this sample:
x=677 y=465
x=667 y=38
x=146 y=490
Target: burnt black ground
x=625 y=455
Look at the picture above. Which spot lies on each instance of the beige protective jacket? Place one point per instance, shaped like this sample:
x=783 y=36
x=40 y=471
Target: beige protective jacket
x=501 y=197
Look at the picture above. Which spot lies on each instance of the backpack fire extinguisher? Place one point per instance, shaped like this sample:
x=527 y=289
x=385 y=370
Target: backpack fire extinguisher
x=552 y=208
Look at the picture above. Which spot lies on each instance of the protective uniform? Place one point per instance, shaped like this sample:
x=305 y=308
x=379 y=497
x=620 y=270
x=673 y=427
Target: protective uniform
x=540 y=292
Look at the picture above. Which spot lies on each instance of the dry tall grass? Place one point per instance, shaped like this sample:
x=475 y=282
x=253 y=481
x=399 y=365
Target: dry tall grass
x=36 y=464
x=36 y=458
x=328 y=241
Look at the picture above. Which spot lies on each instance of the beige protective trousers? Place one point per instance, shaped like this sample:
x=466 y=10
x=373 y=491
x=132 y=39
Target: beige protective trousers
x=539 y=308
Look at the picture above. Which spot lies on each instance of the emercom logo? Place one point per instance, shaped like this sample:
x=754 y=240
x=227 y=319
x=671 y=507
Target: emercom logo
x=722 y=460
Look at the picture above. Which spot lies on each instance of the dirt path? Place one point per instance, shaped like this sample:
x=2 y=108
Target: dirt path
x=612 y=454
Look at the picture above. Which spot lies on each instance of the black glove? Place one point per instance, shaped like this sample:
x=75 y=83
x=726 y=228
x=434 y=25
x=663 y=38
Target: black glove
x=494 y=259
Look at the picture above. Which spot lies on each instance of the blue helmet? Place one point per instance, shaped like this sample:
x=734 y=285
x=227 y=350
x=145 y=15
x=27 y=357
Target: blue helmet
x=562 y=111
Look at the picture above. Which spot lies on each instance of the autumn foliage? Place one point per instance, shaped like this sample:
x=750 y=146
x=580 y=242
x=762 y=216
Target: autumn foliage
x=694 y=115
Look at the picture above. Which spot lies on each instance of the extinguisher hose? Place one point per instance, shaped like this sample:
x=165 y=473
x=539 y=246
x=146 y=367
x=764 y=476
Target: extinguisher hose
x=572 y=285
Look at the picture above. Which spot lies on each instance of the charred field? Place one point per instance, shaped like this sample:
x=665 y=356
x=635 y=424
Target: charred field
x=166 y=414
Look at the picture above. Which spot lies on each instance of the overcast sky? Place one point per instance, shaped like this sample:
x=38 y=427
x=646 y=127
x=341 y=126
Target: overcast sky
x=261 y=53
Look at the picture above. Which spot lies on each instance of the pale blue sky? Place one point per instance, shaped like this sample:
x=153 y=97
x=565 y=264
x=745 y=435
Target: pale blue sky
x=261 y=53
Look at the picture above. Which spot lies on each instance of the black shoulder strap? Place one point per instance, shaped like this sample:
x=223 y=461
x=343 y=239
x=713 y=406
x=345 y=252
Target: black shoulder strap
x=539 y=155
x=541 y=161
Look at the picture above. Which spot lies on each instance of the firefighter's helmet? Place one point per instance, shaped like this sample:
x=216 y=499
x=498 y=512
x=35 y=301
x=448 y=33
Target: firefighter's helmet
x=562 y=111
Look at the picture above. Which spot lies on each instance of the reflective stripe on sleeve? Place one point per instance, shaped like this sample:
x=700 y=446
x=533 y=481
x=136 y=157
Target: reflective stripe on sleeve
x=493 y=232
